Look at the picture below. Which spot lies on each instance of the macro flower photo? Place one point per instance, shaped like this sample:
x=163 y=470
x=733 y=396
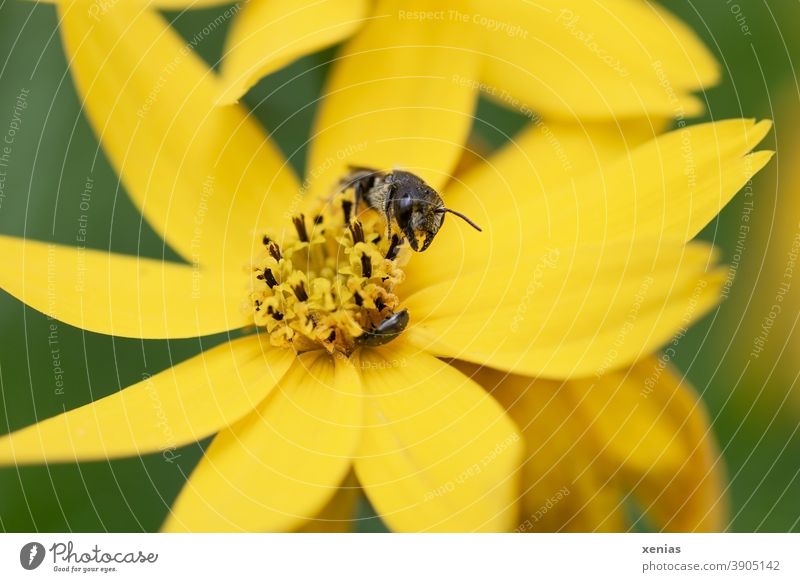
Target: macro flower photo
x=397 y=266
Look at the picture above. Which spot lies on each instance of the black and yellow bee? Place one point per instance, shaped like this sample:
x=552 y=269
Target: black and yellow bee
x=405 y=201
x=408 y=205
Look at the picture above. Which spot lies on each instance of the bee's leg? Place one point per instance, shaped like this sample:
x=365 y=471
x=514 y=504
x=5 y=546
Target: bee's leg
x=359 y=191
x=394 y=246
x=354 y=180
x=362 y=181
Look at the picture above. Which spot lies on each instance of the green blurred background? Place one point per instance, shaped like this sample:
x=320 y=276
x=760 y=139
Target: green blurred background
x=754 y=402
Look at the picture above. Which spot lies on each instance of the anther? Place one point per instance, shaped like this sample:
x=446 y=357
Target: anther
x=266 y=240
x=300 y=292
x=357 y=231
x=318 y=219
x=358 y=299
x=366 y=266
x=300 y=225
x=274 y=251
x=270 y=278
x=277 y=315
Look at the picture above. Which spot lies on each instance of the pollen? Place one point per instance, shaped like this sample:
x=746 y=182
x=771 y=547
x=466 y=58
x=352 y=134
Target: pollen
x=328 y=281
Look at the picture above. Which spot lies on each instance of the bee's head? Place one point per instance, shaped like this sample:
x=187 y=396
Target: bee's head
x=417 y=208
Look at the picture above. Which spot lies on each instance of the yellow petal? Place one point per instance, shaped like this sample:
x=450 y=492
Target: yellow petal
x=568 y=312
x=172 y=408
x=438 y=454
x=673 y=185
x=559 y=186
x=279 y=466
x=564 y=486
x=121 y=295
x=656 y=437
x=269 y=34
x=391 y=100
x=591 y=60
x=514 y=187
x=205 y=177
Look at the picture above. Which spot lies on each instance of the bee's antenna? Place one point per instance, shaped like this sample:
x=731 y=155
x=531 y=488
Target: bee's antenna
x=461 y=216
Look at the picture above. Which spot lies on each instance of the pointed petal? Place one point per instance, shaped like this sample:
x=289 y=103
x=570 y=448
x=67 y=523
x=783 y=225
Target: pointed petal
x=205 y=177
x=564 y=486
x=656 y=435
x=568 y=312
x=514 y=188
x=180 y=405
x=391 y=100
x=438 y=454
x=269 y=34
x=279 y=466
x=674 y=185
x=559 y=186
x=121 y=295
x=592 y=60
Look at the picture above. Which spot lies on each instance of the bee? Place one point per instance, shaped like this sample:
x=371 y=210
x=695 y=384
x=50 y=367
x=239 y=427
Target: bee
x=408 y=205
x=404 y=200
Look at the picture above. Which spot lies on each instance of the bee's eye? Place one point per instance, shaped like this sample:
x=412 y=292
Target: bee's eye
x=403 y=208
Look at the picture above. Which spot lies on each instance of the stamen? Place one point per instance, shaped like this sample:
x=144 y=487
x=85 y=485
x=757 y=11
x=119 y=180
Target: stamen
x=357 y=231
x=275 y=251
x=271 y=281
x=300 y=292
x=366 y=266
x=266 y=240
x=300 y=225
x=318 y=219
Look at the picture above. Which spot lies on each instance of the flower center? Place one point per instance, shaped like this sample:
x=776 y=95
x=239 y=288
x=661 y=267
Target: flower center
x=330 y=283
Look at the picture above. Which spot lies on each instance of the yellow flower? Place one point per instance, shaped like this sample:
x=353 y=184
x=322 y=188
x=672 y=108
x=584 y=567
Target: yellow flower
x=600 y=446
x=558 y=58
x=583 y=268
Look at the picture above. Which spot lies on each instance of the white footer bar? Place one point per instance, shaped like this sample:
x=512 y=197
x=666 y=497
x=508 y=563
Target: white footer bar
x=390 y=557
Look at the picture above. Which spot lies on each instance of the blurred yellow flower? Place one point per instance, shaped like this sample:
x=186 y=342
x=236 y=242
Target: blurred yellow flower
x=560 y=58
x=582 y=270
x=602 y=448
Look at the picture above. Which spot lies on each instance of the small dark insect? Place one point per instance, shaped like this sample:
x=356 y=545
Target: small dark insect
x=385 y=331
x=404 y=200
